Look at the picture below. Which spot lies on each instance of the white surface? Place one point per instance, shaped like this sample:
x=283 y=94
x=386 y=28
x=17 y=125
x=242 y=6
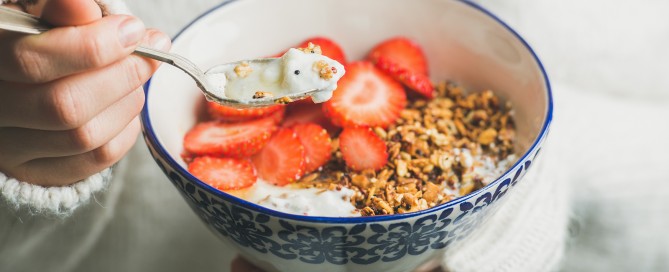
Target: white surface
x=609 y=62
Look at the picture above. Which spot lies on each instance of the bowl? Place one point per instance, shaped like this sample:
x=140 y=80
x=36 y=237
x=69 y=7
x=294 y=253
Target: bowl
x=463 y=42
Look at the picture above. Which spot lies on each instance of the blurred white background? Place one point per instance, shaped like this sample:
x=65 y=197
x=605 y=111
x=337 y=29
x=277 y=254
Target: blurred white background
x=608 y=61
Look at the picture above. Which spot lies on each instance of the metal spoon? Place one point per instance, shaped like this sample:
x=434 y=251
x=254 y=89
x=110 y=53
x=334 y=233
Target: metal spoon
x=17 y=21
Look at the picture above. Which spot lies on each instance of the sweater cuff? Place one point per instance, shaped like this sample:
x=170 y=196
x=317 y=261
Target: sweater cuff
x=60 y=201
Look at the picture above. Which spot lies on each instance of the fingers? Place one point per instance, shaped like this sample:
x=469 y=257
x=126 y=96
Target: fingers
x=239 y=264
x=72 y=101
x=20 y=145
x=68 y=50
x=65 y=170
x=64 y=130
x=70 y=12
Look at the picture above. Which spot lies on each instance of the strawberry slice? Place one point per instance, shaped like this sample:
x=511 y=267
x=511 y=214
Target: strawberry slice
x=282 y=160
x=362 y=149
x=230 y=114
x=405 y=61
x=403 y=52
x=414 y=81
x=365 y=96
x=308 y=112
x=317 y=145
x=223 y=173
x=328 y=47
x=230 y=139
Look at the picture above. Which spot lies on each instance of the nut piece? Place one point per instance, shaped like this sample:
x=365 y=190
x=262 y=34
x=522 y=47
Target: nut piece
x=311 y=48
x=261 y=94
x=382 y=205
x=324 y=70
x=431 y=192
x=401 y=168
x=487 y=136
x=283 y=100
x=243 y=69
x=367 y=211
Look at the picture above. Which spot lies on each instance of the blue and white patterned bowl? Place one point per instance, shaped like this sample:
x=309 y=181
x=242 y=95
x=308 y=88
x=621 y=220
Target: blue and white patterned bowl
x=464 y=43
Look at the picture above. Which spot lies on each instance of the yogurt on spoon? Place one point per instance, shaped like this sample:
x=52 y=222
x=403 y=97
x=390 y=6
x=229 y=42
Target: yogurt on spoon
x=297 y=71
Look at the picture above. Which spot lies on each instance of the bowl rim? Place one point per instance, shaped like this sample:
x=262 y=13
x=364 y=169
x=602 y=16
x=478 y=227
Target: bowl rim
x=150 y=134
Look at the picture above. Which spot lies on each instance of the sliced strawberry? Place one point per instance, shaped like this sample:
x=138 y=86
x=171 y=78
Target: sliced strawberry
x=415 y=81
x=328 y=47
x=365 y=96
x=230 y=139
x=317 y=145
x=362 y=149
x=223 y=173
x=282 y=160
x=303 y=112
x=404 y=53
x=277 y=116
x=230 y=114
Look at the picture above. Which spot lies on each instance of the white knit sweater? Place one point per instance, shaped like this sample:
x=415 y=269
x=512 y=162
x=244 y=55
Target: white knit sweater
x=609 y=118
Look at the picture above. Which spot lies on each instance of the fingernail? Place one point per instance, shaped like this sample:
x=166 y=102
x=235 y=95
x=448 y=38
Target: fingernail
x=130 y=32
x=160 y=41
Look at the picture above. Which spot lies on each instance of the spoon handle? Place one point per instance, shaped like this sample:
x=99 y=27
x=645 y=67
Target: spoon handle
x=17 y=21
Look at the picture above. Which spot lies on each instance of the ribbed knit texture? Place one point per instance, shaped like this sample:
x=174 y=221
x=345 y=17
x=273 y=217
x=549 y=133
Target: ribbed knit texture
x=59 y=201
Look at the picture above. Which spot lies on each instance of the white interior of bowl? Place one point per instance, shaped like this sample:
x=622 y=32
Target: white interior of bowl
x=462 y=44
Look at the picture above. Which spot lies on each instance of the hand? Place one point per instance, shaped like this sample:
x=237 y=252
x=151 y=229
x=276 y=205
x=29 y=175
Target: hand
x=69 y=98
x=239 y=264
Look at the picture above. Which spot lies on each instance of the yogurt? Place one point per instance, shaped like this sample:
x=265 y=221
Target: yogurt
x=303 y=201
x=297 y=71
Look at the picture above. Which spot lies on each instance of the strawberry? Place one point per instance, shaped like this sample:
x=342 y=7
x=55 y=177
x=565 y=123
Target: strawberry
x=230 y=114
x=365 y=96
x=403 y=52
x=230 y=139
x=223 y=173
x=414 y=81
x=317 y=145
x=405 y=61
x=329 y=48
x=308 y=112
x=282 y=160
x=362 y=149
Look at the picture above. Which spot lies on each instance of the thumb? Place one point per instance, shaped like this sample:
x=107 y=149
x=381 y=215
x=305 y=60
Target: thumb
x=68 y=12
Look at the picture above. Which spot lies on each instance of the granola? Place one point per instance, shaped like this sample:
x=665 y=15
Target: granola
x=435 y=150
x=261 y=94
x=243 y=69
x=324 y=70
x=311 y=48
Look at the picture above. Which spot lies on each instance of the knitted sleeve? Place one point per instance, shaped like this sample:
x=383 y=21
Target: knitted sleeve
x=59 y=201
